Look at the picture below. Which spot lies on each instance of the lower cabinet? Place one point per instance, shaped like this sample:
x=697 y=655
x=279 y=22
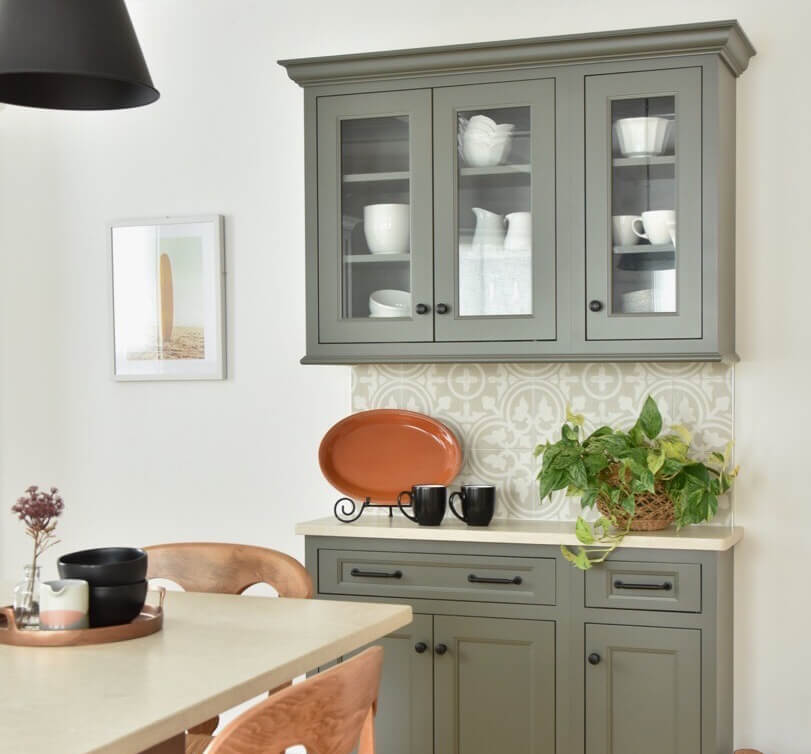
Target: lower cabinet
x=494 y=685
x=512 y=650
x=643 y=690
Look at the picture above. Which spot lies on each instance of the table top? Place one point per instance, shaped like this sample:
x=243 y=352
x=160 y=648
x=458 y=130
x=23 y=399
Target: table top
x=512 y=531
x=214 y=652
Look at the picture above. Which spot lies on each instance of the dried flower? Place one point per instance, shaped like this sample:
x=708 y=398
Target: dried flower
x=39 y=511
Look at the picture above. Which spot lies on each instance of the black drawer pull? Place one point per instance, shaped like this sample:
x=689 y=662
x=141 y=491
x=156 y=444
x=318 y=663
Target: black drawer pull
x=376 y=574
x=483 y=580
x=666 y=587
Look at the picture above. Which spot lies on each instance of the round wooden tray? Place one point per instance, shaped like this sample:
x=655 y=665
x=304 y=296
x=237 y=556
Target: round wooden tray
x=150 y=621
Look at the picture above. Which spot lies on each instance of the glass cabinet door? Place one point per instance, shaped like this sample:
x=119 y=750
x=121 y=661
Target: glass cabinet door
x=494 y=173
x=375 y=232
x=643 y=205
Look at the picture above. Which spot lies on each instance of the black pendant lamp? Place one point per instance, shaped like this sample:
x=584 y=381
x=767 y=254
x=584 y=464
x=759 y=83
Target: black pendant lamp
x=71 y=55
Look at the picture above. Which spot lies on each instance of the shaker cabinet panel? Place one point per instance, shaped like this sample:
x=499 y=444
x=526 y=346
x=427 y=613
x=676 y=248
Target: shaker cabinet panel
x=494 y=177
x=405 y=710
x=643 y=205
x=494 y=686
x=375 y=238
x=643 y=690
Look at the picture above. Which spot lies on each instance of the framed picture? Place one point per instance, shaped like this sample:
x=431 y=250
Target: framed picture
x=168 y=298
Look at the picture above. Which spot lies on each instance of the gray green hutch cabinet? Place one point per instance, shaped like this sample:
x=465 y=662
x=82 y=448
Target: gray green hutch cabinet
x=543 y=199
x=514 y=650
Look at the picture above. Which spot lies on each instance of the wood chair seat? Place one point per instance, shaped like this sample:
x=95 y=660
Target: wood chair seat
x=222 y=568
x=330 y=713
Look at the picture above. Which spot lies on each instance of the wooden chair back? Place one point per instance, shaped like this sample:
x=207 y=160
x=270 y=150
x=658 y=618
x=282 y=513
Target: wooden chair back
x=331 y=713
x=228 y=569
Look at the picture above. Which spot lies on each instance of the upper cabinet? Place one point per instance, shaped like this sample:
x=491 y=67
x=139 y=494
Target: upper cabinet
x=546 y=199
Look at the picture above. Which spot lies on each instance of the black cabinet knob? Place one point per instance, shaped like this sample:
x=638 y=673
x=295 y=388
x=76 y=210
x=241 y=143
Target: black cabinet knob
x=420 y=647
x=442 y=308
x=440 y=649
x=594 y=659
x=423 y=308
x=595 y=305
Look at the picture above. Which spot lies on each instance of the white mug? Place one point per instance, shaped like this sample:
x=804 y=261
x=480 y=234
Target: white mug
x=657 y=224
x=63 y=604
x=624 y=231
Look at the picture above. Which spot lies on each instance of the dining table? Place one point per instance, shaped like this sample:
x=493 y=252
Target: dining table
x=214 y=652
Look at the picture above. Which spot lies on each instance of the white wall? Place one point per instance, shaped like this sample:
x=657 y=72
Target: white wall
x=237 y=460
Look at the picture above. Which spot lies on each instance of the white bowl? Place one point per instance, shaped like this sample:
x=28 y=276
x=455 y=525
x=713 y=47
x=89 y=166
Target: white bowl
x=387 y=228
x=390 y=303
x=485 y=153
x=641 y=137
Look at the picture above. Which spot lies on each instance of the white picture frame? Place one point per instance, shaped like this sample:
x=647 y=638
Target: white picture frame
x=167 y=278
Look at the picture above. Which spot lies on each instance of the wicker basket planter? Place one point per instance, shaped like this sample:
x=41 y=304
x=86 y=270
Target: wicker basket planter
x=653 y=510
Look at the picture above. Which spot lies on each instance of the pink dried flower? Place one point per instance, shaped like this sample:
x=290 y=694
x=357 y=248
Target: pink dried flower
x=39 y=511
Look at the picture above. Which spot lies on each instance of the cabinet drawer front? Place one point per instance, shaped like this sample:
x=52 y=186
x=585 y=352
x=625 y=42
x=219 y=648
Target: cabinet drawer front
x=645 y=586
x=446 y=577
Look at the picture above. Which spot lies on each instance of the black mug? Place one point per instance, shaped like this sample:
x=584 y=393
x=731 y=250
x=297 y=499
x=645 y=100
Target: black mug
x=478 y=504
x=428 y=503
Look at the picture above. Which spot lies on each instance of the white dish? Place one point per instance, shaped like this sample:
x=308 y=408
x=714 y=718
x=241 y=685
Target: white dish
x=387 y=228
x=656 y=225
x=482 y=142
x=641 y=137
x=389 y=303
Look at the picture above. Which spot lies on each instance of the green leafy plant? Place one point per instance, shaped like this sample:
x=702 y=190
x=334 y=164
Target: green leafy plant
x=612 y=469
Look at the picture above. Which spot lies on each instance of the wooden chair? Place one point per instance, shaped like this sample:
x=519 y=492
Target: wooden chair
x=747 y=751
x=331 y=713
x=225 y=569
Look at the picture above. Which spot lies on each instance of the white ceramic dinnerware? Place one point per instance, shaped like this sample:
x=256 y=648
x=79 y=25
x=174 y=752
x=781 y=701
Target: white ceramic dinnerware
x=390 y=302
x=623 y=227
x=519 y=231
x=387 y=228
x=641 y=137
x=483 y=142
x=63 y=604
x=655 y=226
x=489 y=232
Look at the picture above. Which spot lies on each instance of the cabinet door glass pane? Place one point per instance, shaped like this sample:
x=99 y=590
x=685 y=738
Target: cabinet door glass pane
x=375 y=218
x=494 y=222
x=643 y=206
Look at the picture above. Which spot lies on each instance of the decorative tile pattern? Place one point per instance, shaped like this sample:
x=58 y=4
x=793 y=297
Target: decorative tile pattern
x=500 y=412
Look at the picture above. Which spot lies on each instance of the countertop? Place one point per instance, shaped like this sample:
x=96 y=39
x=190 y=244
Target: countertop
x=510 y=531
x=215 y=651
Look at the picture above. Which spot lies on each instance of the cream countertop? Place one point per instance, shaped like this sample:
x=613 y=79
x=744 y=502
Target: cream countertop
x=510 y=531
x=214 y=652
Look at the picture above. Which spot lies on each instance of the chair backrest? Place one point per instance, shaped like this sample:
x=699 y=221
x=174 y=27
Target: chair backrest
x=228 y=569
x=331 y=713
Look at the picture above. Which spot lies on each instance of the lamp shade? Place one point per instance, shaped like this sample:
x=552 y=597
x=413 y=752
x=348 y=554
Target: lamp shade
x=71 y=55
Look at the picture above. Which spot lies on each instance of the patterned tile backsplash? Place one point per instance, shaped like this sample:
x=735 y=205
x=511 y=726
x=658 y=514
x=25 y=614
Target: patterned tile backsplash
x=500 y=412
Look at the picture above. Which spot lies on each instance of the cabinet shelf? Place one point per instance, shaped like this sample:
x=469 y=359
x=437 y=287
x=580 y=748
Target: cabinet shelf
x=375 y=258
x=396 y=175
x=641 y=162
x=497 y=170
x=665 y=248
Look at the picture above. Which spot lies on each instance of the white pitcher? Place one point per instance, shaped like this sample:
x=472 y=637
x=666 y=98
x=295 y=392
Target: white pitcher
x=489 y=233
x=519 y=232
x=63 y=604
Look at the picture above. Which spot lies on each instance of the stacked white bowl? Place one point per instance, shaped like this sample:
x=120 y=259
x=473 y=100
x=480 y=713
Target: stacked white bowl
x=483 y=143
x=389 y=302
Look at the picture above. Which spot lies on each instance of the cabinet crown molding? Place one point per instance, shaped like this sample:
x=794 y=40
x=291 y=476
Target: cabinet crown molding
x=724 y=38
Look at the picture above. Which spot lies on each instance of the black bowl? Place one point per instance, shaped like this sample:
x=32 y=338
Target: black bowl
x=114 y=605
x=104 y=566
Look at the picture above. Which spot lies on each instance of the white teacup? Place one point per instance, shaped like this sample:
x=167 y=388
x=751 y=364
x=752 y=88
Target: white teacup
x=656 y=226
x=623 y=226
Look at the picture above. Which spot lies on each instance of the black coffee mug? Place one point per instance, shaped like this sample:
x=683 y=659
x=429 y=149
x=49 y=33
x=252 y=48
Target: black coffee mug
x=428 y=503
x=478 y=504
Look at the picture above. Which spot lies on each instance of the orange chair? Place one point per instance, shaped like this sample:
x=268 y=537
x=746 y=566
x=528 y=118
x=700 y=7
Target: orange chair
x=331 y=713
x=225 y=569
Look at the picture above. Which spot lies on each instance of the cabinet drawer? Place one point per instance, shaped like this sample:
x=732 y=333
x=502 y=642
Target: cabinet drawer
x=645 y=586
x=442 y=577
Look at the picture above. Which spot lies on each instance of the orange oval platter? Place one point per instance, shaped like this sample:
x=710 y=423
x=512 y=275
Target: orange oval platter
x=378 y=454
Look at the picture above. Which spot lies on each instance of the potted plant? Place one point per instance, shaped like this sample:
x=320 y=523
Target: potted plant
x=639 y=480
